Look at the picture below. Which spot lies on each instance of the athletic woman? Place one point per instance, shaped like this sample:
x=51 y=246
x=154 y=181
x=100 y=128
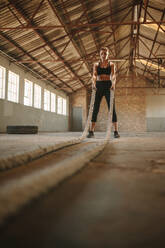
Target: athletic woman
x=103 y=80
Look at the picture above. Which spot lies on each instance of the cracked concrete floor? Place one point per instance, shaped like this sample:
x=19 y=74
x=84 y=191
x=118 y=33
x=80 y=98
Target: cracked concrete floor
x=116 y=201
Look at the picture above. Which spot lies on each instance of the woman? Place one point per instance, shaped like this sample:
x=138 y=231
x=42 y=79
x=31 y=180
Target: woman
x=104 y=79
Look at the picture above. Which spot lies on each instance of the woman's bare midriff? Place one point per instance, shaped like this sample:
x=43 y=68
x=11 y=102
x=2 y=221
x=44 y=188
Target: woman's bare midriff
x=103 y=77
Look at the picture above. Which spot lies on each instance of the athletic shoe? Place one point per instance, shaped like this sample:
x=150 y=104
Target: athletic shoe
x=90 y=134
x=116 y=134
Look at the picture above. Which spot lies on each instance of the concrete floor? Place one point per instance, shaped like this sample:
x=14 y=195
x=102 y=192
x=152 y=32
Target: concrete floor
x=116 y=201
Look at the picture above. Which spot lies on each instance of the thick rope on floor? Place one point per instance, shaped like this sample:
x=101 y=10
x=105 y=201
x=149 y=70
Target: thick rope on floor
x=19 y=191
x=25 y=157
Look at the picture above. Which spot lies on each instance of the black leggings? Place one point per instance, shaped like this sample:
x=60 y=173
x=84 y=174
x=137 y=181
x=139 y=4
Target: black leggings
x=103 y=89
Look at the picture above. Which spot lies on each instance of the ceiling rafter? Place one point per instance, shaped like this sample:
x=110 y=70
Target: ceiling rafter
x=15 y=15
x=114 y=37
x=52 y=31
x=119 y=69
x=153 y=44
x=154 y=61
x=68 y=17
x=44 y=45
x=69 y=35
x=115 y=29
x=31 y=57
x=82 y=15
x=152 y=74
x=124 y=45
x=145 y=9
x=82 y=25
x=72 y=38
x=35 y=12
x=44 y=40
x=153 y=19
x=138 y=32
x=73 y=61
x=87 y=57
x=155 y=8
x=117 y=11
x=146 y=46
x=87 y=17
x=147 y=38
x=132 y=42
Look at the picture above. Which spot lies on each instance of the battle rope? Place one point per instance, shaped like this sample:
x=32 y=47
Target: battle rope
x=84 y=134
x=109 y=121
x=26 y=157
x=31 y=185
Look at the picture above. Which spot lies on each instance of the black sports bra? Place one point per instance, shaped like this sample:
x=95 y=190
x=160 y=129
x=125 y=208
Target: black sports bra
x=101 y=70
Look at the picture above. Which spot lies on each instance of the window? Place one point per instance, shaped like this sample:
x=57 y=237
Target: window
x=64 y=106
x=28 y=93
x=53 y=102
x=2 y=82
x=59 y=105
x=13 y=87
x=46 y=100
x=37 y=96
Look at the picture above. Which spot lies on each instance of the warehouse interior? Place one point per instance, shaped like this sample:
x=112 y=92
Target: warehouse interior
x=57 y=188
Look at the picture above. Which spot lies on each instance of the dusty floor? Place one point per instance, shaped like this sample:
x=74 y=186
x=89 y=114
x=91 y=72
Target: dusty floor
x=116 y=201
x=12 y=144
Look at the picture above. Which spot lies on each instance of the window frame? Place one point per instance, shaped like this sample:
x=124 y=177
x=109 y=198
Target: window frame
x=47 y=103
x=53 y=102
x=11 y=85
x=28 y=97
x=37 y=98
x=3 y=81
x=59 y=109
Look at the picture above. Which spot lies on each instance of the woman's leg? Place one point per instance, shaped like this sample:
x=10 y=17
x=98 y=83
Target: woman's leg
x=96 y=107
x=115 y=123
x=114 y=115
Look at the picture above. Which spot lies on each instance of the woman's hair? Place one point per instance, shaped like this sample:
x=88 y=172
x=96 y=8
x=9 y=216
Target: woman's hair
x=104 y=48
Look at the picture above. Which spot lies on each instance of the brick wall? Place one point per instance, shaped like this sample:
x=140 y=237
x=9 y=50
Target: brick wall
x=130 y=97
x=130 y=106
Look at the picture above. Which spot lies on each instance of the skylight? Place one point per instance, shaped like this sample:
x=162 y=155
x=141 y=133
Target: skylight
x=153 y=26
x=143 y=61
